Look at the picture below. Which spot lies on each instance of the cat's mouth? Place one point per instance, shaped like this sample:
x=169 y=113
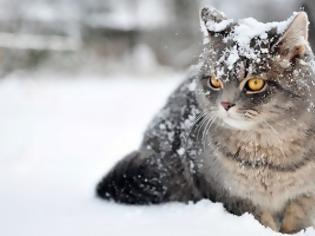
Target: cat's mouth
x=234 y=119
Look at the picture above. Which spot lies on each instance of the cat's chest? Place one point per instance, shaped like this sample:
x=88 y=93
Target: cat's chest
x=266 y=185
x=266 y=168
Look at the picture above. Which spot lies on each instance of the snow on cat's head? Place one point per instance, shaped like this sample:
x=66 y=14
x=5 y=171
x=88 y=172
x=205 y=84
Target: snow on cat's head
x=254 y=73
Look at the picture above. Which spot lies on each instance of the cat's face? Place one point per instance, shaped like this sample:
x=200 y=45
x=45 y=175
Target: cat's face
x=252 y=77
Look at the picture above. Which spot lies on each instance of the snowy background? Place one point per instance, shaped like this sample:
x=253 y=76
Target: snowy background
x=80 y=80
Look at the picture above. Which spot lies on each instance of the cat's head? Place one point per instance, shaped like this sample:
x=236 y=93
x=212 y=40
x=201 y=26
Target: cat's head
x=254 y=73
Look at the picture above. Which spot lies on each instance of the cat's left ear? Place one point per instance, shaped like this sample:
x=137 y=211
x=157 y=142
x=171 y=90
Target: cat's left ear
x=294 y=41
x=213 y=21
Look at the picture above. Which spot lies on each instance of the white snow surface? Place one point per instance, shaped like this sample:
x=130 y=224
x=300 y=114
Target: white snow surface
x=59 y=136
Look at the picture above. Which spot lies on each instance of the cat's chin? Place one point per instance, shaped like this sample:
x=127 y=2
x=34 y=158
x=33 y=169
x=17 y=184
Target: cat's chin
x=232 y=123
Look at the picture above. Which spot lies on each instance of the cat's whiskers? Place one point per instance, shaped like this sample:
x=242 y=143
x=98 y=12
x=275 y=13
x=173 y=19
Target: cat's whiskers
x=252 y=112
x=197 y=123
x=211 y=120
x=248 y=114
x=248 y=109
x=203 y=123
x=274 y=112
x=199 y=117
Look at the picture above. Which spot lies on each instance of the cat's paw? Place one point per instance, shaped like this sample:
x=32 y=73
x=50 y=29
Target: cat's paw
x=297 y=215
x=268 y=220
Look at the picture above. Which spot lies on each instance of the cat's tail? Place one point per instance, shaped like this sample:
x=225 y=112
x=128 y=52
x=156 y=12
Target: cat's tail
x=146 y=178
x=134 y=180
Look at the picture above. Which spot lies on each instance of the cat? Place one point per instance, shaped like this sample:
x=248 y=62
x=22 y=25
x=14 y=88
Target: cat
x=240 y=131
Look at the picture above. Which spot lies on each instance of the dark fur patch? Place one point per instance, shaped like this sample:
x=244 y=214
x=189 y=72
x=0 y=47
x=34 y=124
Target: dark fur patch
x=133 y=181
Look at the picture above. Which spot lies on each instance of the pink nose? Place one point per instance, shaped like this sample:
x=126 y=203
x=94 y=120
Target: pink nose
x=227 y=105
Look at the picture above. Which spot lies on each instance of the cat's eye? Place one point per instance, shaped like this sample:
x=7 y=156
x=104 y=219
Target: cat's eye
x=255 y=84
x=215 y=83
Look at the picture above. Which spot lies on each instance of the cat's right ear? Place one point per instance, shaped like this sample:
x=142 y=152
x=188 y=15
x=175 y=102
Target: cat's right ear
x=294 y=42
x=213 y=21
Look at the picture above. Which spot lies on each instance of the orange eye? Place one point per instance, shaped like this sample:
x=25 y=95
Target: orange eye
x=255 y=84
x=215 y=83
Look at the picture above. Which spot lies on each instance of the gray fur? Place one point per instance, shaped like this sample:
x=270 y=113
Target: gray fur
x=189 y=152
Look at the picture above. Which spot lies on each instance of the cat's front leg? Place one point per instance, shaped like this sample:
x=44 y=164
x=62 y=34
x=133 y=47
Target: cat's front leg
x=298 y=214
x=269 y=220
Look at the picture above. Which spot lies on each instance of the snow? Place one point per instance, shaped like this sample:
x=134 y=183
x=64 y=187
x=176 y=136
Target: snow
x=220 y=26
x=181 y=151
x=233 y=57
x=243 y=32
x=192 y=86
x=60 y=135
x=249 y=28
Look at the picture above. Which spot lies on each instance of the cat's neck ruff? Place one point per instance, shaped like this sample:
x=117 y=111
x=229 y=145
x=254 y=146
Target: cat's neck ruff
x=265 y=144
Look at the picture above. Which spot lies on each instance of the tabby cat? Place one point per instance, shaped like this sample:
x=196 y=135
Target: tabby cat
x=240 y=131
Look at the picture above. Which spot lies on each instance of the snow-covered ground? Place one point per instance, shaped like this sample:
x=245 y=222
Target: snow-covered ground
x=59 y=136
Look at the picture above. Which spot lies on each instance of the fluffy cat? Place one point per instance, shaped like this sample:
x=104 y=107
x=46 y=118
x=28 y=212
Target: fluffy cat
x=240 y=131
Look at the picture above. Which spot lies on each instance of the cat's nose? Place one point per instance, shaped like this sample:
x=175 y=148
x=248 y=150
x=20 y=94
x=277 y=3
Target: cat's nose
x=227 y=105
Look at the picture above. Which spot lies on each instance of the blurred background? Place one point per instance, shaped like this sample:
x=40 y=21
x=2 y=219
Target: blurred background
x=102 y=37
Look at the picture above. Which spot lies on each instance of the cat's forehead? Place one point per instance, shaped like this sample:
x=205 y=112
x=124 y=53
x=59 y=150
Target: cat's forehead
x=229 y=61
x=231 y=57
x=252 y=37
x=246 y=43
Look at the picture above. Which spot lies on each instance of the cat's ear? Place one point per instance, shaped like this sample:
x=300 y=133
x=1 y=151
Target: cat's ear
x=294 y=41
x=213 y=21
